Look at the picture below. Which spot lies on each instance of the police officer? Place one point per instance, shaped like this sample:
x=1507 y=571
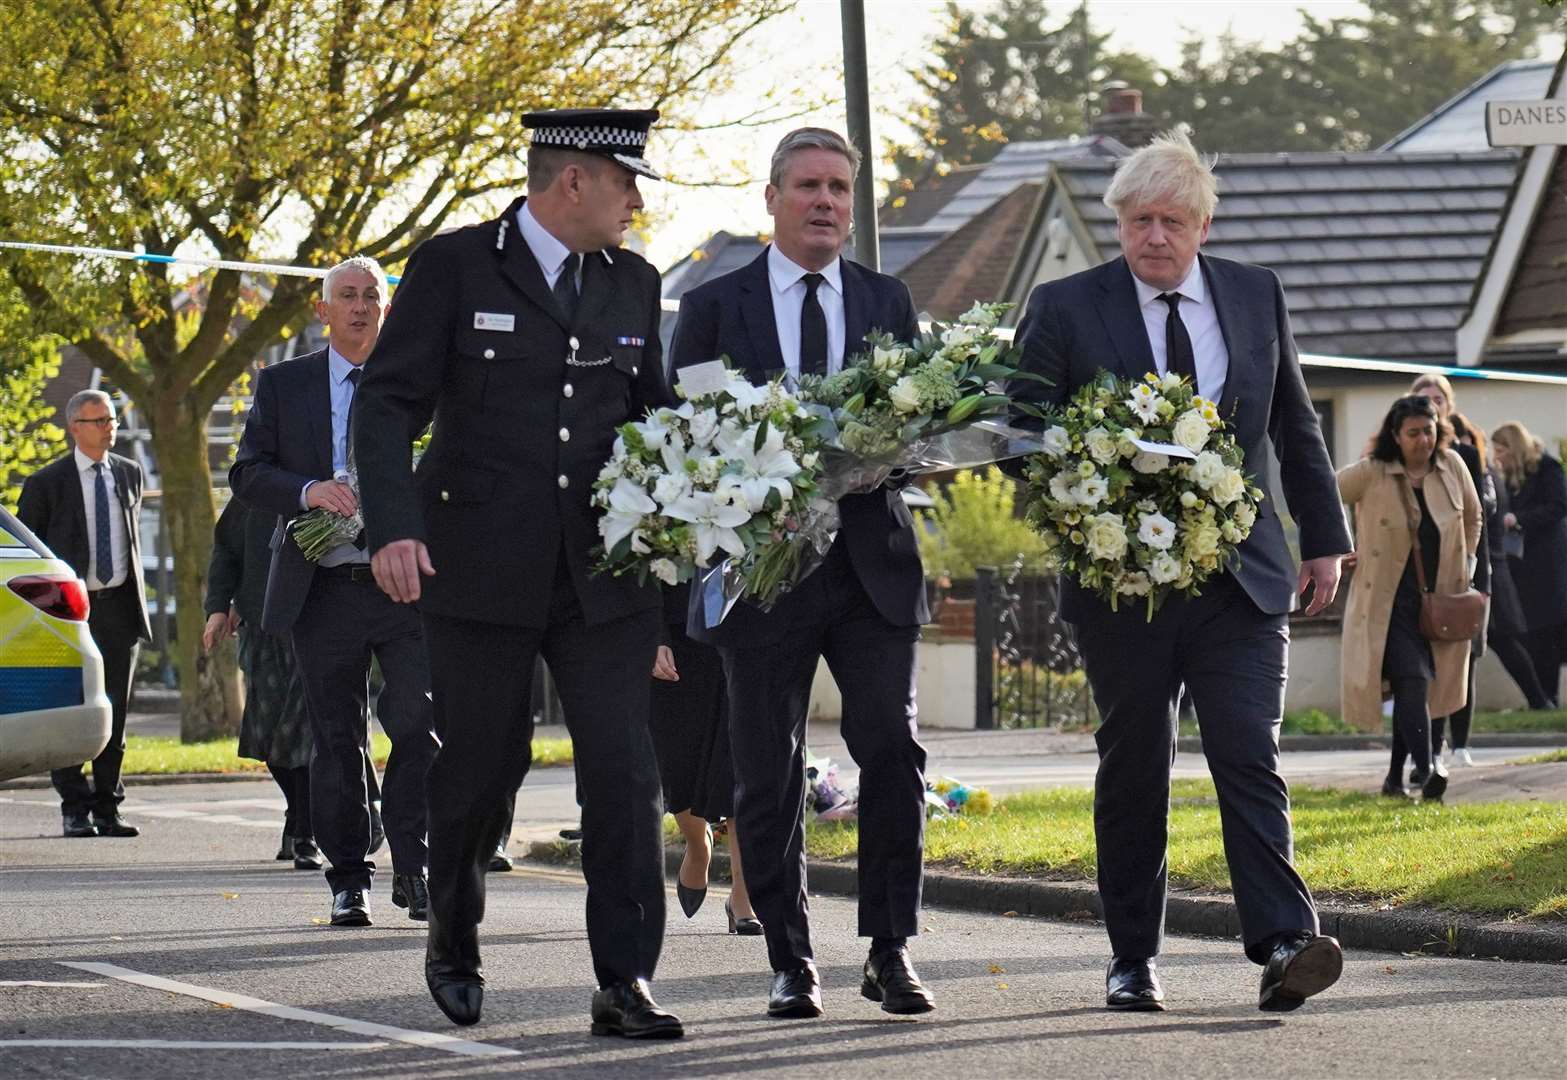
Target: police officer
x=529 y=339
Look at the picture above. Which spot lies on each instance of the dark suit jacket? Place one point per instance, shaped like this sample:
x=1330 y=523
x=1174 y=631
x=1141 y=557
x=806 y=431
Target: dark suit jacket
x=287 y=443
x=1076 y=326
x=51 y=505
x=732 y=316
x=525 y=413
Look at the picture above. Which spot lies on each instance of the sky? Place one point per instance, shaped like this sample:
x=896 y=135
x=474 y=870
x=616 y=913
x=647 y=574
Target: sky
x=800 y=55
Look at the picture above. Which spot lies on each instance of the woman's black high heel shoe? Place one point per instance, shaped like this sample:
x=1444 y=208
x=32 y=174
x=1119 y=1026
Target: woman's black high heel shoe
x=690 y=899
x=745 y=926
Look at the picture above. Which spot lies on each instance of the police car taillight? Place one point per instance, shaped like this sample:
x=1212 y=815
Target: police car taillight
x=59 y=595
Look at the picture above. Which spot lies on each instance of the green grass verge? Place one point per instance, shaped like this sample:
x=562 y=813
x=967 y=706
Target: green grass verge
x=1544 y=720
x=145 y=755
x=1494 y=859
x=1542 y=759
x=1317 y=722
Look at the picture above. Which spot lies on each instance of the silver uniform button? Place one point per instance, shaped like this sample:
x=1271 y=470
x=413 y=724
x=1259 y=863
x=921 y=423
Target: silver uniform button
x=565 y=435
x=446 y=496
x=567 y=390
x=572 y=341
x=633 y=369
x=562 y=481
x=489 y=354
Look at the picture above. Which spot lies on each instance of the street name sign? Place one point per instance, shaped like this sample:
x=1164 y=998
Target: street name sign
x=1526 y=123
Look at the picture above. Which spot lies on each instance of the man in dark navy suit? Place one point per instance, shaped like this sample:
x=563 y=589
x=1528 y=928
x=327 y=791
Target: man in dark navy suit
x=1162 y=307
x=802 y=307
x=294 y=457
x=87 y=507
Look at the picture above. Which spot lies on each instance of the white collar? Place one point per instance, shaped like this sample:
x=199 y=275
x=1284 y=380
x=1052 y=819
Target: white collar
x=85 y=463
x=784 y=271
x=1194 y=288
x=549 y=252
x=338 y=365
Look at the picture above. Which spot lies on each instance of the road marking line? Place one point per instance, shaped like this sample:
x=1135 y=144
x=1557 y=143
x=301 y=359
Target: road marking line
x=428 y=1039
x=186 y=1044
x=39 y=982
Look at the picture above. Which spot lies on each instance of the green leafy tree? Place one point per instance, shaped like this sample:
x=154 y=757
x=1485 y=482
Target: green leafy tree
x=1348 y=83
x=1008 y=73
x=974 y=523
x=282 y=130
x=28 y=438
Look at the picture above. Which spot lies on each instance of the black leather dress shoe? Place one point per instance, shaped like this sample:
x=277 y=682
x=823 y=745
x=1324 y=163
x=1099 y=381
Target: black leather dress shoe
x=351 y=907
x=1394 y=790
x=78 y=825
x=377 y=829
x=306 y=855
x=453 y=974
x=114 y=825
x=1301 y=965
x=627 y=1009
x=1133 y=986
x=1435 y=785
x=891 y=980
x=410 y=891
x=796 y=994
x=500 y=862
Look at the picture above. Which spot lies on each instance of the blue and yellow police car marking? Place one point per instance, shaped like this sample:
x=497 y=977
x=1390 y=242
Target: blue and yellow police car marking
x=40 y=666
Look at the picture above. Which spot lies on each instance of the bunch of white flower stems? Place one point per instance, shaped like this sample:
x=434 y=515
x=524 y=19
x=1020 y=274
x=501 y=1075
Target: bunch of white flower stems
x=751 y=474
x=1139 y=490
x=320 y=530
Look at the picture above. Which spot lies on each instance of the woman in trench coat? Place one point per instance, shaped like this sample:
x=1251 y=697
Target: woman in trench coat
x=1410 y=478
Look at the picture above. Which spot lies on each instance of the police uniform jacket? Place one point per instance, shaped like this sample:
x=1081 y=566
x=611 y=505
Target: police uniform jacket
x=525 y=409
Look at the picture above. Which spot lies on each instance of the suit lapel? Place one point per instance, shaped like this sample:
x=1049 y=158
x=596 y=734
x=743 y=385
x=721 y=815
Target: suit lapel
x=518 y=266
x=856 y=308
x=320 y=409
x=756 y=308
x=1235 y=327
x=1122 y=317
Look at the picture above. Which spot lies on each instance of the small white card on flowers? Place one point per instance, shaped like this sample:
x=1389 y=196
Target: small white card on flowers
x=699 y=380
x=1167 y=449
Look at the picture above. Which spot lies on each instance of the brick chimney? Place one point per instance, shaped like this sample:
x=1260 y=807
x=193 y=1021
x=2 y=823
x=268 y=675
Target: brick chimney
x=1123 y=117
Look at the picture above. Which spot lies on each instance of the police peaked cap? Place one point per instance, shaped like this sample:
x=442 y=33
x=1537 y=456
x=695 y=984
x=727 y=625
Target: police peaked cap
x=618 y=134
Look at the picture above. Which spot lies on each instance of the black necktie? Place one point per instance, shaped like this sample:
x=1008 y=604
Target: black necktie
x=566 y=286
x=1178 y=356
x=813 y=330
x=104 y=556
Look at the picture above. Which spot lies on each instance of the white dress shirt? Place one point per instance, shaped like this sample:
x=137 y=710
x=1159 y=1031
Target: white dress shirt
x=788 y=284
x=1202 y=326
x=550 y=252
x=119 y=543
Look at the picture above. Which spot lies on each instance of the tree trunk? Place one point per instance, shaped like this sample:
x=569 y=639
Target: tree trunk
x=209 y=685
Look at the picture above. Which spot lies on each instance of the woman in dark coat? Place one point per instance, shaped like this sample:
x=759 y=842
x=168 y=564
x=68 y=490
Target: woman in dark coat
x=1539 y=514
x=690 y=724
x=275 y=727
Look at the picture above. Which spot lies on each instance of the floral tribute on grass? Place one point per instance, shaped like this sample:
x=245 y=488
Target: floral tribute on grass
x=1139 y=490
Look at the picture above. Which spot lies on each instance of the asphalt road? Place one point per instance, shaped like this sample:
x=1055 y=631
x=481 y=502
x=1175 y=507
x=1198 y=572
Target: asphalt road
x=189 y=953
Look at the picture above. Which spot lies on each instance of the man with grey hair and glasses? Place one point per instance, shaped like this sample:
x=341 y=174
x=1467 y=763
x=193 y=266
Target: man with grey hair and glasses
x=802 y=307
x=1162 y=307
x=87 y=507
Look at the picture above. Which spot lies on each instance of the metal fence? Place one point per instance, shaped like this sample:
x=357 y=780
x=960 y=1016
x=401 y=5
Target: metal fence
x=1027 y=672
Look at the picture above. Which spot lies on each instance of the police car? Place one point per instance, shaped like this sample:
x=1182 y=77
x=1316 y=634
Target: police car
x=53 y=709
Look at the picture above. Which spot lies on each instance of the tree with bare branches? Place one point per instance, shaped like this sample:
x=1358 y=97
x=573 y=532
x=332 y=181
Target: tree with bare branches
x=298 y=131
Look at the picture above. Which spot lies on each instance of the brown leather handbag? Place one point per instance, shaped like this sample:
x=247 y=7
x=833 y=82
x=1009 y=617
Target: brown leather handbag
x=1446 y=616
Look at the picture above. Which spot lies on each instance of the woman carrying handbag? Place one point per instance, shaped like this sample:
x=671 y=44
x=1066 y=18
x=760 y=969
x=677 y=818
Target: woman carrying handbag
x=1417 y=518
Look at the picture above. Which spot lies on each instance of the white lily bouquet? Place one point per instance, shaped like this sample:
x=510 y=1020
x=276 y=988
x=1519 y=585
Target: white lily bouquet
x=928 y=405
x=733 y=470
x=1139 y=490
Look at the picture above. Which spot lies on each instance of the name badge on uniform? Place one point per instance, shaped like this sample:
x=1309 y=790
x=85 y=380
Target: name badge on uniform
x=494 y=320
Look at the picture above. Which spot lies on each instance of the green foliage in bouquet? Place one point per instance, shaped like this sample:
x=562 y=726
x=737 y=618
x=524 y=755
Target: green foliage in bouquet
x=973 y=522
x=1130 y=521
x=886 y=398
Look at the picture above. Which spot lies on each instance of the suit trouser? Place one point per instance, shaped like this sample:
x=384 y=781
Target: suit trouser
x=769 y=695
x=483 y=675
x=342 y=624
x=114 y=621
x=1233 y=659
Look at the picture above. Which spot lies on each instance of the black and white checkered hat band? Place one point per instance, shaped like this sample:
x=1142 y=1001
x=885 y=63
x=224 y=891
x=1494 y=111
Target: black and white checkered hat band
x=590 y=136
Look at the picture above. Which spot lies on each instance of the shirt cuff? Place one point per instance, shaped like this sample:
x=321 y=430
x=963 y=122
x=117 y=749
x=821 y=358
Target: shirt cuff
x=303 y=502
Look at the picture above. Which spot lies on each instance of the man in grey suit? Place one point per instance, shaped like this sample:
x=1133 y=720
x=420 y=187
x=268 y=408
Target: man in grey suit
x=1163 y=307
x=87 y=507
